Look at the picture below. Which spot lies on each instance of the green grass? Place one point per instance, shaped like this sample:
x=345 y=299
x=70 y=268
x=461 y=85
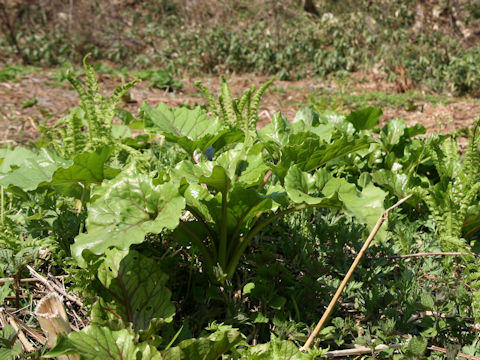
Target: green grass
x=359 y=98
x=14 y=72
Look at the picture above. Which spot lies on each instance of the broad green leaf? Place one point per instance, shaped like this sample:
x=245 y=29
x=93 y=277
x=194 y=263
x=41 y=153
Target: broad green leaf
x=211 y=347
x=128 y=208
x=307 y=115
x=27 y=170
x=339 y=121
x=277 y=131
x=216 y=142
x=121 y=131
x=304 y=188
x=190 y=128
x=95 y=342
x=245 y=204
x=137 y=286
x=366 y=206
x=417 y=129
x=10 y=347
x=309 y=153
x=397 y=183
x=87 y=169
x=191 y=171
x=204 y=203
x=192 y=123
x=276 y=350
x=365 y=119
x=306 y=119
x=218 y=179
x=427 y=301
x=392 y=133
x=251 y=169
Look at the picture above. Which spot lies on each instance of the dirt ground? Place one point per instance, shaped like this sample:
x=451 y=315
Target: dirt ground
x=18 y=122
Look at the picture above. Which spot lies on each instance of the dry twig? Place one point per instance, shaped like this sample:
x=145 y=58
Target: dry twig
x=349 y=274
x=425 y=254
x=462 y=355
x=54 y=287
x=359 y=350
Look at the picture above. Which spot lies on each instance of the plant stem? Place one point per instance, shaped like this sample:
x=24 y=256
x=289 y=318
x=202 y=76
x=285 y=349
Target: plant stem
x=202 y=221
x=2 y=210
x=243 y=243
x=222 y=251
x=349 y=275
x=203 y=249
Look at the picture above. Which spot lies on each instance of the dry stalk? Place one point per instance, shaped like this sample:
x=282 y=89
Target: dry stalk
x=330 y=307
x=25 y=280
x=425 y=254
x=359 y=350
x=53 y=320
x=459 y=355
x=27 y=345
x=54 y=287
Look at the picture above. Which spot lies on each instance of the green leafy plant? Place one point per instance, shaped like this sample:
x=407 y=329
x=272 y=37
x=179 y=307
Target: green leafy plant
x=226 y=184
x=457 y=187
x=160 y=79
x=95 y=114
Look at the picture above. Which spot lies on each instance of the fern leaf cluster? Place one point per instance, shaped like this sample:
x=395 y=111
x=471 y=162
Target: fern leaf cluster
x=451 y=197
x=243 y=112
x=90 y=125
x=458 y=187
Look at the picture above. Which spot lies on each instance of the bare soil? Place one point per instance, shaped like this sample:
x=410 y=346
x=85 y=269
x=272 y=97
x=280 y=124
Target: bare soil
x=18 y=123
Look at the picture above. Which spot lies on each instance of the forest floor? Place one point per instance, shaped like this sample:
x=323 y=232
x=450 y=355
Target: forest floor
x=37 y=98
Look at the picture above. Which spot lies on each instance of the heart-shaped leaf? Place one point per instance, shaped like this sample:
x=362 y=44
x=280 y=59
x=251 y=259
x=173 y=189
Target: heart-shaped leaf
x=128 y=207
x=137 y=286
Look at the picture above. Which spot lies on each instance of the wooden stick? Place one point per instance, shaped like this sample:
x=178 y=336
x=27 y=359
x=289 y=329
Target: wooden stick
x=359 y=350
x=26 y=280
x=13 y=297
x=462 y=355
x=27 y=345
x=425 y=254
x=54 y=287
x=349 y=274
x=32 y=332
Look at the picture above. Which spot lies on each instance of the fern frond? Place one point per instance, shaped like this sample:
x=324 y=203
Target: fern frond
x=252 y=122
x=88 y=106
x=437 y=156
x=468 y=199
x=223 y=111
x=73 y=137
x=471 y=162
x=245 y=98
x=91 y=78
x=109 y=106
x=208 y=95
x=226 y=101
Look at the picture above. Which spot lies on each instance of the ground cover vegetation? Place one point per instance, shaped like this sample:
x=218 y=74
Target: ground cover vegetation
x=190 y=233
x=413 y=42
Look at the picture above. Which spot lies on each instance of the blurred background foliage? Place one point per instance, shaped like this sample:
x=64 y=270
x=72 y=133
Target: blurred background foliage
x=414 y=42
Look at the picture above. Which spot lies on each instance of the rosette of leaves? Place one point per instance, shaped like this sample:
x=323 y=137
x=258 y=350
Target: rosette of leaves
x=232 y=197
x=226 y=184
